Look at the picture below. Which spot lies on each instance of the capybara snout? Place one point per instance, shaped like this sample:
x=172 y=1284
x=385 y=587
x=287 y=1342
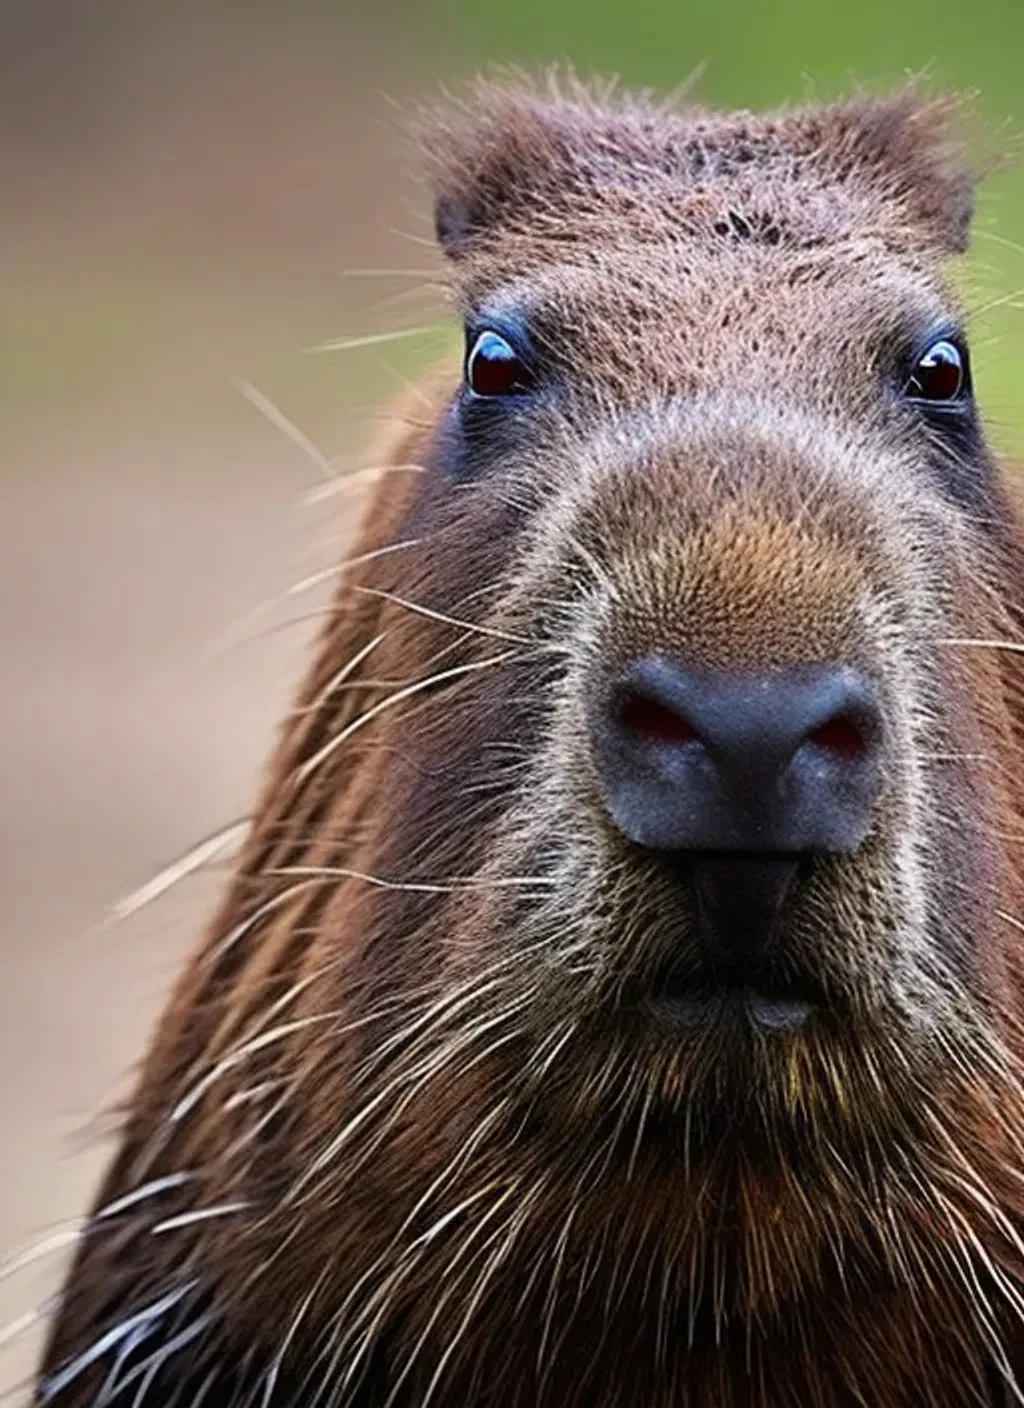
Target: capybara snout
x=775 y=760
x=755 y=604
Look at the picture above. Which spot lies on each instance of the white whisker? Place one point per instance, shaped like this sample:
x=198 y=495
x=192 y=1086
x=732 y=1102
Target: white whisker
x=138 y=1195
x=111 y=1339
x=458 y=671
x=189 y=1219
x=375 y=339
x=39 y=1251
x=288 y=428
x=238 y=1055
x=1015 y=647
x=356 y=479
x=201 y=854
x=440 y=887
x=328 y=574
x=432 y=615
x=14 y=1329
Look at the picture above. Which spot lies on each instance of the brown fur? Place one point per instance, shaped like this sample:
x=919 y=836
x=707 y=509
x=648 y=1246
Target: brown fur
x=399 y=1139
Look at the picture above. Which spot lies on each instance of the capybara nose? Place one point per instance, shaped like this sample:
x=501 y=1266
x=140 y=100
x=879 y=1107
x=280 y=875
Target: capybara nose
x=786 y=760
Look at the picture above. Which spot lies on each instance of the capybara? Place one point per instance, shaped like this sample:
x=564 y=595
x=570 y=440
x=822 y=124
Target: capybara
x=617 y=1003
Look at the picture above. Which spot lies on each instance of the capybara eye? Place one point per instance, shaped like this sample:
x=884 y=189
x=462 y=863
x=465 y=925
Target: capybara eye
x=494 y=367
x=940 y=375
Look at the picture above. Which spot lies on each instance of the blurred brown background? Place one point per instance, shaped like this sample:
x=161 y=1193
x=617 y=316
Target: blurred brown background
x=191 y=196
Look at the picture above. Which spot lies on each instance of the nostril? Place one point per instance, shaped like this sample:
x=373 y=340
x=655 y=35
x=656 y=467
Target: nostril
x=842 y=736
x=783 y=760
x=649 y=719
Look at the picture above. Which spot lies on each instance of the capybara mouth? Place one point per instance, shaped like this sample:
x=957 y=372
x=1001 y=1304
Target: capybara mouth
x=737 y=968
x=763 y=1003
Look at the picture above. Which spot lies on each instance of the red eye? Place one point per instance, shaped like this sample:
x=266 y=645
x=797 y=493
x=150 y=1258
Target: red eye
x=940 y=375
x=494 y=368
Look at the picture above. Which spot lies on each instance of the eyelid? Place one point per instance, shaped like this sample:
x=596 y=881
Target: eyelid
x=939 y=332
x=511 y=329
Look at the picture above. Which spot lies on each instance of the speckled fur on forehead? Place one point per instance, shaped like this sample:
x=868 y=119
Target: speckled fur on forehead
x=647 y=322
x=564 y=165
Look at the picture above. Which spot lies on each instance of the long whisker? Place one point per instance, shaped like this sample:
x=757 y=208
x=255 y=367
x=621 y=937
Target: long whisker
x=14 y=1329
x=288 y=428
x=375 y=339
x=127 y=1328
x=356 y=479
x=310 y=766
x=328 y=574
x=347 y=670
x=211 y=848
x=242 y=631
x=999 y=239
x=446 y=887
x=433 y=615
x=56 y=1242
x=424 y=274
x=1014 y=647
x=1003 y=300
x=239 y=1054
x=202 y=1214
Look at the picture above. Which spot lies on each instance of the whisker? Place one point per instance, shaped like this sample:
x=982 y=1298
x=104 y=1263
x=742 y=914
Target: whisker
x=441 y=887
x=56 y=1385
x=242 y=631
x=293 y=623
x=237 y=1055
x=302 y=773
x=202 y=853
x=432 y=615
x=244 y=926
x=356 y=479
x=411 y=386
x=328 y=574
x=39 y=1251
x=21 y=1325
x=999 y=239
x=288 y=428
x=138 y=1195
x=375 y=339
x=1015 y=647
x=1000 y=302
x=149 y=1368
x=337 y=680
x=425 y=274
x=204 y=1214
x=296 y=1323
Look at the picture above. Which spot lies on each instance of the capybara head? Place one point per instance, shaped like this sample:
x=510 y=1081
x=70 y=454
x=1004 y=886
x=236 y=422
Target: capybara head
x=699 y=747
x=619 y=999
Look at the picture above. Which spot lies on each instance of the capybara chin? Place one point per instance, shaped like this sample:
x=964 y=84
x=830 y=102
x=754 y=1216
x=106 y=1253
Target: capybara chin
x=618 y=1000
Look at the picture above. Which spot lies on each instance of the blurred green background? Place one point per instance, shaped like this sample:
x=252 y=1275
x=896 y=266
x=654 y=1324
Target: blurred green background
x=193 y=193
x=148 y=141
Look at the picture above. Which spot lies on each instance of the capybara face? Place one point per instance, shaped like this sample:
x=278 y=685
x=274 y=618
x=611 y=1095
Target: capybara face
x=715 y=778
x=617 y=1002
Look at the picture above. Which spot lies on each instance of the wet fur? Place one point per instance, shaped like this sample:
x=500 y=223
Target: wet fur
x=398 y=1139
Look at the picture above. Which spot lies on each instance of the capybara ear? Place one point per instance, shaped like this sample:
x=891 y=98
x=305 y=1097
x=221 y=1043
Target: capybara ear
x=907 y=147
x=504 y=153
